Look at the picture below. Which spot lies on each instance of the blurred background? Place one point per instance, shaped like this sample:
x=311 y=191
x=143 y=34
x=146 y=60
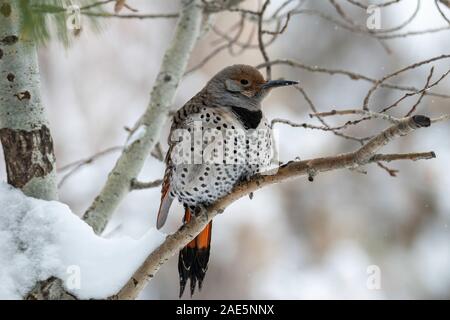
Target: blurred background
x=297 y=240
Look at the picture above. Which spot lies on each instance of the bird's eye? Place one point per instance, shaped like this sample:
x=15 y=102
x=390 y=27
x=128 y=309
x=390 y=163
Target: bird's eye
x=244 y=82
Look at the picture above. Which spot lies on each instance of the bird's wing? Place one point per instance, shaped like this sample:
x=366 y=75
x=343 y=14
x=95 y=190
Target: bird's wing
x=166 y=199
x=183 y=118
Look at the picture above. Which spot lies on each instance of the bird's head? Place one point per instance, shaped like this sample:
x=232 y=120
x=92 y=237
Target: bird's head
x=244 y=83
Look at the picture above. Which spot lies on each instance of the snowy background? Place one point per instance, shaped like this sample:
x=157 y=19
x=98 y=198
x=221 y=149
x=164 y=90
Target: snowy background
x=297 y=240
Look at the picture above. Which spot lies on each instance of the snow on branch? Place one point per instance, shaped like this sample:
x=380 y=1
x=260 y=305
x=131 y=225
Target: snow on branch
x=45 y=239
x=144 y=136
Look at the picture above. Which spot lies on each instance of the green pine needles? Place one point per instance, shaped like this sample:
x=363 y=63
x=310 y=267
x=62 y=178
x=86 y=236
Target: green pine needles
x=42 y=20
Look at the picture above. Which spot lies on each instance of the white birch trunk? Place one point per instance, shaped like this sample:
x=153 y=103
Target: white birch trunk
x=24 y=129
x=133 y=157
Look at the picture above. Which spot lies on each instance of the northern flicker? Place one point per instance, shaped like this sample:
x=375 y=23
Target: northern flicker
x=217 y=139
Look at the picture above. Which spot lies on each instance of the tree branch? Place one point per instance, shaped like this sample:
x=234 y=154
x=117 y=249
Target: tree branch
x=77 y=165
x=364 y=6
x=396 y=73
x=138 y=185
x=261 y=44
x=131 y=15
x=133 y=157
x=294 y=169
x=352 y=75
x=24 y=128
x=404 y=156
x=371 y=114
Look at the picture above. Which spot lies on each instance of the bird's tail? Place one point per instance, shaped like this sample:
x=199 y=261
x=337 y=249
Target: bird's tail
x=193 y=259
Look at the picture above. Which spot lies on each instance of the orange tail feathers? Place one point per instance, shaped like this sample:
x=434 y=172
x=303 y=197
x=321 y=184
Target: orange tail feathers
x=193 y=259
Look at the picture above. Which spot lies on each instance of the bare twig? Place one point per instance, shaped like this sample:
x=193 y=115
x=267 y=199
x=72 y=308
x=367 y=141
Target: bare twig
x=138 y=185
x=90 y=159
x=349 y=74
x=85 y=10
x=371 y=114
x=288 y=17
x=396 y=73
x=336 y=132
x=306 y=125
x=379 y=34
x=77 y=165
x=284 y=5
x=205 y=60
x=224 y=5
x=261 y=44
x=294 y=169
x=413 y=33
x=441 y=118
x=436 y=2
x=131 y=15
x=422 y=92
x=391 y=172
x=404 y=156
x=364 y=29
x=382 y=115
x=222 y=47
x=403 y=24
x=363 y=6
x=342 y=13
x=425 y=88
x=96 y=4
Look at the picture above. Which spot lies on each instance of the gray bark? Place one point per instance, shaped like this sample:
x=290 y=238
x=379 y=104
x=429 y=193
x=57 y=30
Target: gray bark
x=24 y=129
x=50 y=289
x=133 y=157
x=293 y=169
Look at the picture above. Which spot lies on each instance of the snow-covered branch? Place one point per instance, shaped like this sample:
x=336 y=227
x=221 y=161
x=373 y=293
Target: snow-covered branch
x=45 y=240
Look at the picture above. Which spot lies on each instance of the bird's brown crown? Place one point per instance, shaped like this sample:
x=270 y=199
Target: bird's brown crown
x=241 y=78
x=240 y=72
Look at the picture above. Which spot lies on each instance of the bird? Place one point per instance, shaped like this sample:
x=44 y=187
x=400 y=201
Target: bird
x=218 y=139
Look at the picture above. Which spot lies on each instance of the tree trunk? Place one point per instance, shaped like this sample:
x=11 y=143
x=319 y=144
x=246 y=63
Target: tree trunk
x=24 y=130
x=133 y=157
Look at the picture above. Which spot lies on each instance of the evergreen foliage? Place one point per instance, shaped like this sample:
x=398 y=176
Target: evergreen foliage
x=43 y=20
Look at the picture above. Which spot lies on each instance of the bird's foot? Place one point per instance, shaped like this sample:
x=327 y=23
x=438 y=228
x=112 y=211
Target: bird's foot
x=201 y=212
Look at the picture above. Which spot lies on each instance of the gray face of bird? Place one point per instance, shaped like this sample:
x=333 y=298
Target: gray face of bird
x=242 y=86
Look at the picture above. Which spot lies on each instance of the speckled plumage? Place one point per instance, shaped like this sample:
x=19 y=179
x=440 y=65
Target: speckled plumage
x=217 y=139
x=203 y=184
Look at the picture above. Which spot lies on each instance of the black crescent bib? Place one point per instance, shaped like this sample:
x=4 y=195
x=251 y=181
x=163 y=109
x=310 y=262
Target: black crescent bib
x=249 y=119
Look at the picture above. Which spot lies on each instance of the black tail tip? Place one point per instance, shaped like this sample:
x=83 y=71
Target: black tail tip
x=193 y=284
x=182 y=286
x=192 y=266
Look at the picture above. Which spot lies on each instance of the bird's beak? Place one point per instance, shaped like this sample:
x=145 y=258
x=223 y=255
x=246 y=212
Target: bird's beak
x=278 y=83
